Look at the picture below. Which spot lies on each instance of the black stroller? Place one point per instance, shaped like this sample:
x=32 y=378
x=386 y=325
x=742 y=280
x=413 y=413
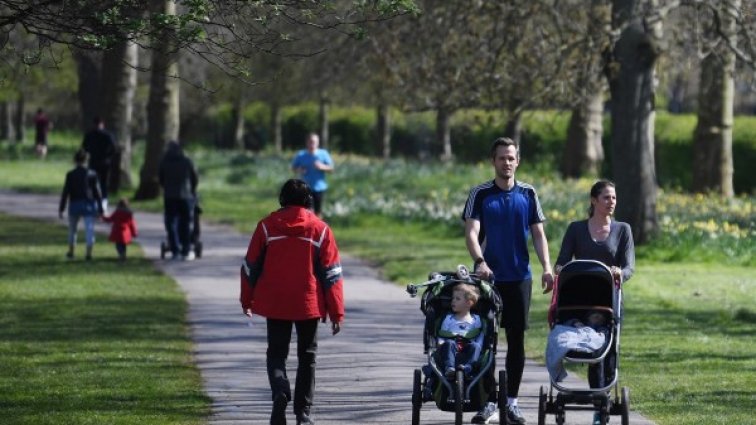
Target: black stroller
x=463 y=393
x=587 y=286
x=194 y=236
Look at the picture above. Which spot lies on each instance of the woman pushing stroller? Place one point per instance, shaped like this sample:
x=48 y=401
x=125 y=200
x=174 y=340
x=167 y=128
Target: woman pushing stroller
x=608 y=241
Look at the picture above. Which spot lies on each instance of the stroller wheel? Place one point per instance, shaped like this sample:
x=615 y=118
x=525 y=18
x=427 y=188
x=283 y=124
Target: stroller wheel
x=198 y=249
x=417 y=397
x=459 y=397
x=163 y=250
x=625 y=401
x=542 y=406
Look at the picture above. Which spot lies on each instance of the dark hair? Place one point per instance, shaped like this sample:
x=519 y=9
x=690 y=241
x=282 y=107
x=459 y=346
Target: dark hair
x=596 y=190
x=503 y=141
x=123 y=203
x=81 y=156
x=295 y=192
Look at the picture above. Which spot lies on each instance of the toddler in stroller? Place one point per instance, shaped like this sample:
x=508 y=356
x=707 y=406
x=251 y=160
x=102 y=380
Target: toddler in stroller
x=458 y=377
x=585 y=318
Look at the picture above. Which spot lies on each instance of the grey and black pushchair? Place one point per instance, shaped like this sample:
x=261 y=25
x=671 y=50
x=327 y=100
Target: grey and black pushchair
x=465 y=392
x=586 y=287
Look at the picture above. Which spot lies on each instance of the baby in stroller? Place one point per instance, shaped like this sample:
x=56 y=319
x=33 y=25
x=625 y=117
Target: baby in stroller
x=460 y=338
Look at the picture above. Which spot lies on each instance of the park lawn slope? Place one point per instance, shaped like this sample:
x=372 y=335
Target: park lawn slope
x=95 y=342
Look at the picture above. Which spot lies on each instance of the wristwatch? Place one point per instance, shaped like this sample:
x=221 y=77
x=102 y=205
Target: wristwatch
x=479 y=261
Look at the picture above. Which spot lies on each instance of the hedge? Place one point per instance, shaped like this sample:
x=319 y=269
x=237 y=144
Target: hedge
x=352 y=130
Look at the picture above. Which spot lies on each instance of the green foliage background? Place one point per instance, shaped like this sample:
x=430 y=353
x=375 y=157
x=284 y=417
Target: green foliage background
x=352 y=130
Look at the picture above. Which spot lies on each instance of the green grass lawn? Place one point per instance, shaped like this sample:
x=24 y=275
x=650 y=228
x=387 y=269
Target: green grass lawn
x=688 y=354
x=90 y=342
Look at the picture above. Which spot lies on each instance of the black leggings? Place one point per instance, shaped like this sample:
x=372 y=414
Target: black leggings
x=515 y=362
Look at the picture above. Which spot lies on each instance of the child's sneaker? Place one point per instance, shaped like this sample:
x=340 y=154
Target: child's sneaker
x=450 y=373
x=467 y=370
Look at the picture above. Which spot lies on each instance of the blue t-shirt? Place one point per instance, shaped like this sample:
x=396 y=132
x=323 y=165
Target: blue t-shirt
x=314 y=177
x=505 y=218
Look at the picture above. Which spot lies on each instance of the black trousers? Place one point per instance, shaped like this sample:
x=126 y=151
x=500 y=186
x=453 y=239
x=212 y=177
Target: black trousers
x=602 y=373
x=178 y=214
x=279 y=339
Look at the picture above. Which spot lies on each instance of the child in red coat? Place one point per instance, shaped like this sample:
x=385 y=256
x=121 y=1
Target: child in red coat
x=124 y=227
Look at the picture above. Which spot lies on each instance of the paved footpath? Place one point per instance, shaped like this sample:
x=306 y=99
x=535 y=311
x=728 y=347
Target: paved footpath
x=364 y=374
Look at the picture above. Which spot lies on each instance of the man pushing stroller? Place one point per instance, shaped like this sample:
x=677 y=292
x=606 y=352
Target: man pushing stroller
x=178 y=177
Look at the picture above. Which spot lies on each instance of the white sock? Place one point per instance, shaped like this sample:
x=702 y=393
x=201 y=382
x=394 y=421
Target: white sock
x=512 y=401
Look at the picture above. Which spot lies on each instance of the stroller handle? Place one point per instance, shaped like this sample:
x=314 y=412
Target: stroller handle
x=462 y=276
x=435 y=278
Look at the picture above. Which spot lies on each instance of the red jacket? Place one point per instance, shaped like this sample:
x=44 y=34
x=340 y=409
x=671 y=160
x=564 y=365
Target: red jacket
x=292 y=269
x=124 y=226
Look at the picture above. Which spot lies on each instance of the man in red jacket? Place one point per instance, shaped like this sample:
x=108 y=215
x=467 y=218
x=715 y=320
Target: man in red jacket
x=292 y=276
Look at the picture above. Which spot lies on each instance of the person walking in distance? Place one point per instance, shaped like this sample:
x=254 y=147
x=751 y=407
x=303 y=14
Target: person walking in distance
x=123 y=228
x=179 y=180
x=81 y=192
x=502 y=214
x=42 y=126
x=101 y=147
x=312 y=164
x=292 y=276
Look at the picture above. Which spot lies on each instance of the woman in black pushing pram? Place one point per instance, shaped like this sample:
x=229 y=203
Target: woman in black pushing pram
x=605 y=258
x=460 y=337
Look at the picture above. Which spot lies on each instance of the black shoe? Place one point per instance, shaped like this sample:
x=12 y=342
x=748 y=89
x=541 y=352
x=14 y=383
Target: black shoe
x=278 y=415
x=304 y=419
x=514 y=416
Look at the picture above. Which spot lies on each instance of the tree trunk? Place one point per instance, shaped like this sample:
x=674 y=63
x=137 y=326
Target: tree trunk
x=237 y=113
x=383 y=128
x=712 y=140
x=513 y=129
x=632 y=91
x=119 y=79
x=8 y=130
x=276 y=117
x=323 y=121
x=20 y=118
x=88 y=71
x=443 y=133
x=162 y=108
x=583 y=151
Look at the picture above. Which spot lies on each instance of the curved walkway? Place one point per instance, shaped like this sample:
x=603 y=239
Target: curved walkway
x=364 y=374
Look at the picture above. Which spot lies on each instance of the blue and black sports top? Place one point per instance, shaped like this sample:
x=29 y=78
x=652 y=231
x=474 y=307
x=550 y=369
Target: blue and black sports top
x=505 y=218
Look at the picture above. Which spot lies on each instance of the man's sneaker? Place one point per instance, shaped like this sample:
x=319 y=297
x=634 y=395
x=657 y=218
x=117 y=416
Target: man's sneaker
x=188 y=257
x=514 y=416
x=487 y=413
x=278 y=415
